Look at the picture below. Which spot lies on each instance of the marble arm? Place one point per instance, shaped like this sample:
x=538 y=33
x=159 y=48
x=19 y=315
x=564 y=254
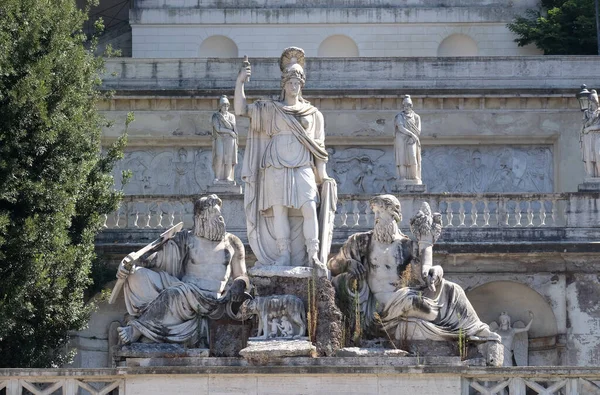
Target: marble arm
x=321 y=167
x=239 y=99
x=238 y=261
x=519 y=330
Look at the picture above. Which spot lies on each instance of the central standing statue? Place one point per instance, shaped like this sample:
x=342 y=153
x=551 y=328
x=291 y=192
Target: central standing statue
x=284 y=162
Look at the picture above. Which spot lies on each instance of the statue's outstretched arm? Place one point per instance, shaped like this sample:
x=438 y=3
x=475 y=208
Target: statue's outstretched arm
x=239 y=100
x=238 y=269
x=519 y=330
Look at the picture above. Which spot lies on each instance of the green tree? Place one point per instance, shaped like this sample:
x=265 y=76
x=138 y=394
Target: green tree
x=55 y=183
x=561 y=27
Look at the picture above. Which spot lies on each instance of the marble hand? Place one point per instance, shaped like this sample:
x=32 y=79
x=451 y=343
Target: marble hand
x=356 y=269
x=236 y=291
x=245 y=73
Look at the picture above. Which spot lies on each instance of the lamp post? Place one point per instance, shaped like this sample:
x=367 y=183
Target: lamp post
x=583 y=96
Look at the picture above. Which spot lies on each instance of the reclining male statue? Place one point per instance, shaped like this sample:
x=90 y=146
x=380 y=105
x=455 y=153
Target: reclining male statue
x=381 y=261
x=184 y=279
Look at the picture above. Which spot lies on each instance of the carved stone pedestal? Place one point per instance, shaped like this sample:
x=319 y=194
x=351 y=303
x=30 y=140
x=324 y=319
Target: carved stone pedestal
x=317 y=295
x=590 y=184
x=267 y=350
x=409 y=186
x=225 y=187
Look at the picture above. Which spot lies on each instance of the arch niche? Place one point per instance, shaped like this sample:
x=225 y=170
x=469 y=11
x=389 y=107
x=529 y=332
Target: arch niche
x=491 y=299
x=458 y=45
x=338 y=46
x=218 y=47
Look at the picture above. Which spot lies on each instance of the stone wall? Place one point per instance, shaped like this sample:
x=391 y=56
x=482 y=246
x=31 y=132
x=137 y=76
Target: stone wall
x=178 y=29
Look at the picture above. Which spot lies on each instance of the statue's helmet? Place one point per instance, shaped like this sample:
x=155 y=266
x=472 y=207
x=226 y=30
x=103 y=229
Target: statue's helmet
x=291 y=64
x=407 y=101
x=223 y=100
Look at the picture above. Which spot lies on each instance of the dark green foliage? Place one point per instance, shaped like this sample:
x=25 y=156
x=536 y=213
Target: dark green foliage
x=567 y=28
x=54 y=183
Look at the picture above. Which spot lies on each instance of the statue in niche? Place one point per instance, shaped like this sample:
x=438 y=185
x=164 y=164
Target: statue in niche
x=514 y=339
x=225 y=143
x=183 y=278
x=397 y=283
x=590 y=137
x=279 y=316
x=407 y=143
x=284 y=163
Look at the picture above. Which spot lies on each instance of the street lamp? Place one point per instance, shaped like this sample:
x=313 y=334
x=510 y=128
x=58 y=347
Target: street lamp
x=583 y=97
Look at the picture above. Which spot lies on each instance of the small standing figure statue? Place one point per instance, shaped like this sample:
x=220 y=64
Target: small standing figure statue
x=590 y=137
x=225 y=148
x=514 y=339
x=407 y=145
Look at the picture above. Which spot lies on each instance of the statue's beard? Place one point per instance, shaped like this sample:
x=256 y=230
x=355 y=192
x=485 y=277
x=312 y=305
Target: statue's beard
x=211 y=229
x=385 y=232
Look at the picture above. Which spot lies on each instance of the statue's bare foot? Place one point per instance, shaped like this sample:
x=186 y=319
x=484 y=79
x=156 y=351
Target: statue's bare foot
x=128 y=334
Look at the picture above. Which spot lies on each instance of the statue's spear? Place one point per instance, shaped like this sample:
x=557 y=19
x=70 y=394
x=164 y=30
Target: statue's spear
x=133 y=257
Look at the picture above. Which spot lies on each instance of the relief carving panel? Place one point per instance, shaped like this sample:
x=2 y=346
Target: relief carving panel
x=469 y=169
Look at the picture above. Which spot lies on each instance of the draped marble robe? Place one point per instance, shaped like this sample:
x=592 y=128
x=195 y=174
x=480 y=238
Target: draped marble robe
x=454 y=313
x=408 y=154
x=224 y=147
x=278 y=169
x=166 y=302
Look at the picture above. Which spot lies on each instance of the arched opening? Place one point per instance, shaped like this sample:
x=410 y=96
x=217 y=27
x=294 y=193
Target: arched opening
x=218 y=47
x=338 y=46
x=516 y=299
x=491 y=299
x=458 y=45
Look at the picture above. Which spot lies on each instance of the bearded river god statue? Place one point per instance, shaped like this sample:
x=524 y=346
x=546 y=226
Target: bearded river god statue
x=289 y=198
x=182 y=280
x=397 y=287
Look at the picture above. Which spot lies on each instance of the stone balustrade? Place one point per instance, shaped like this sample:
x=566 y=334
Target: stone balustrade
x=550 y=221
x=346 y=376
x=458 y=210
x=466 y=210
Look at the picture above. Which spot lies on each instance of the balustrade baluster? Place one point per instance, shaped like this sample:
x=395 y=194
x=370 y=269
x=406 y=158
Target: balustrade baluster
x=159 y=214
x=355 y=213
x=148 y=214
x=171 y=214
x=503 y=213
x=344 y=214
x=137 y=216
x=369 y=215
x=449 y=213
x=104 y=225
x=474 y=213
x=543 y=213
x=518 y=214
x=118 y=217
x=554 y=202
x=529 y=213
x=486 y=213
x=461 y=212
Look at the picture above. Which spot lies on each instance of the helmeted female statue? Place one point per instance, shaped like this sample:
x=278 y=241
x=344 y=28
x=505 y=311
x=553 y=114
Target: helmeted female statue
x=284 y=163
